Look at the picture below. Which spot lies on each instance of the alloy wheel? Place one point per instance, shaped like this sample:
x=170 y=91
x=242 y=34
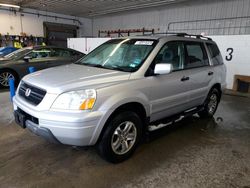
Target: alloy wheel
x=4 y=78
x=213 y=101
x=124 y=137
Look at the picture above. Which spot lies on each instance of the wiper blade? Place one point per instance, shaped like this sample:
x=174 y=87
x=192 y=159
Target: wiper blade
x=90 y=65
x=96 y=65
x=124 y=69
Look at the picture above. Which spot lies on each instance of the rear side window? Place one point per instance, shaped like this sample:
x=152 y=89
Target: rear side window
x=215 y=54
x=40 y=53
x=57 y=52
x=195 y=55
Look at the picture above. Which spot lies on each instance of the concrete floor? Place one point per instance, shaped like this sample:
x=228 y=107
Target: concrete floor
x=193 y=153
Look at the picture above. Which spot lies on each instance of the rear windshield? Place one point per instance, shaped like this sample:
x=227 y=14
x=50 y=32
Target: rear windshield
x=120 y=54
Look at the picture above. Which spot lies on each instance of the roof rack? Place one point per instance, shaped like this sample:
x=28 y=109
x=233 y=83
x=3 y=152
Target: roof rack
x=181 y=35
x=195 y=36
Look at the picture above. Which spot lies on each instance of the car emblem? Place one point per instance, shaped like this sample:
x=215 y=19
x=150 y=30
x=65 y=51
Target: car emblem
x=27 y=92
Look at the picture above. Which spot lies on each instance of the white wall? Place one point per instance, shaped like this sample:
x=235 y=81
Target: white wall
x=33 y=25
x=85 y=45
x=160 y=17
x=238 y=62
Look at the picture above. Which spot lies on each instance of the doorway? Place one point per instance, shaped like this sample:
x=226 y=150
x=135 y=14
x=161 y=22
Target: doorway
x=57 y=34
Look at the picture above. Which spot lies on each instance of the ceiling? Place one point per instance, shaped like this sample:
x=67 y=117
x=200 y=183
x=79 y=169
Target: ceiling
x=88 y=8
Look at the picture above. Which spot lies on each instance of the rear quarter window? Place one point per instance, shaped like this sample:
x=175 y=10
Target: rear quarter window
x=215 y=54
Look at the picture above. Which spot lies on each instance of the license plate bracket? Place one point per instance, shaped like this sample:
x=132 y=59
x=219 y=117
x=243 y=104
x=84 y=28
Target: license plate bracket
x=20 y=119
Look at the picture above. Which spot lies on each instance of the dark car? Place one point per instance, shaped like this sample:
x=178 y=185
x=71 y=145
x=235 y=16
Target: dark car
x=16 y=65
x=6 y=50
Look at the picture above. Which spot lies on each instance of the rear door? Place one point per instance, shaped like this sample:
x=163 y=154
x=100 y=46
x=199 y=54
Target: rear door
x=200 y=72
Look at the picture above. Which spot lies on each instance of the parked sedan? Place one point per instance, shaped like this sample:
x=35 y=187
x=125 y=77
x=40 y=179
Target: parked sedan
x=6 y=50
x=16 y=64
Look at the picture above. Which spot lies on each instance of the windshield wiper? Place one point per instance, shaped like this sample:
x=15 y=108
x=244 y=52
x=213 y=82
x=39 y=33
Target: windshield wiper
x=123 y=69
x=96 y=65
x=89 y=64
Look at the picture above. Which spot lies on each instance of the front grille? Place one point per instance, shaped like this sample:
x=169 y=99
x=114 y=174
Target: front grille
x=35 y=95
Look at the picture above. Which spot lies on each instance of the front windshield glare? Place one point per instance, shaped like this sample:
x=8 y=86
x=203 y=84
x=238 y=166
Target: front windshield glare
x=120 y=54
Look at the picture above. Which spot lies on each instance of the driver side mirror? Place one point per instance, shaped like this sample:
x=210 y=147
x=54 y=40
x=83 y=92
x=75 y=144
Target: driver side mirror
x=27 y=58
x=163 y=68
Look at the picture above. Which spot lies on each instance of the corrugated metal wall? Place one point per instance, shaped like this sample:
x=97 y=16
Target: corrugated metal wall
x=214 y=17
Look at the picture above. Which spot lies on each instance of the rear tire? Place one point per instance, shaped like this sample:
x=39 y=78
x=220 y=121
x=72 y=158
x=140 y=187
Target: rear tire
x=5 y=75
x=211 y=104
x=121 y=137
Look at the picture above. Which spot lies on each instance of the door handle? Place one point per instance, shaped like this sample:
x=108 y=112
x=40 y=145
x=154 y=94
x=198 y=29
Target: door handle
x=210 y=73
x=185 y=78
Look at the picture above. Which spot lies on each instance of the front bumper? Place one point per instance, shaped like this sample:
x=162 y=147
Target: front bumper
x=69 y=128
x=34 y=128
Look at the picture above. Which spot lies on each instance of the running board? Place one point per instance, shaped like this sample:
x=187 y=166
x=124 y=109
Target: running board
x=173 y=119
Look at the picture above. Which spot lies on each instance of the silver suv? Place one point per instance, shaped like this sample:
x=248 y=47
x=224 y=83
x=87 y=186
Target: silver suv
x=112 y=96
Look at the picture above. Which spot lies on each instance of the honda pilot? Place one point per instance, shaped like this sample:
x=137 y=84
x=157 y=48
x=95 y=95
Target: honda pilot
x=115 y=94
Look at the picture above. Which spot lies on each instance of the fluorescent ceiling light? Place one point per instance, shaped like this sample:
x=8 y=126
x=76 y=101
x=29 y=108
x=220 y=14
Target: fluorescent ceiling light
x=134 y=7
x=9 y=5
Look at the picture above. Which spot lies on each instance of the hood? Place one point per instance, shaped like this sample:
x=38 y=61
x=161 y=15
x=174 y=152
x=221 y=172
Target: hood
x=74 y=77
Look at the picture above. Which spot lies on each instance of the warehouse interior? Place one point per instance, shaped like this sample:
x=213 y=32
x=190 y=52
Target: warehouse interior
x=190 y=152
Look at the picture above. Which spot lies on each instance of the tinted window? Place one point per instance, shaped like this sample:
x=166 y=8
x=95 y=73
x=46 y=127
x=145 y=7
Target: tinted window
x=57 y=52
x=172 y=53
x=75 y=54
x=39 y=53
x=195 y=54
x=215 y=54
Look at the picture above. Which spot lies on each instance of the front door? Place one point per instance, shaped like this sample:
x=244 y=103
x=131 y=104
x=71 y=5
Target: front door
x=169 y=93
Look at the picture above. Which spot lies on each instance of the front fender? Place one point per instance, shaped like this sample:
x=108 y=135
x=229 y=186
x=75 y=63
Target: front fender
x=115 y=101
x=124 y=97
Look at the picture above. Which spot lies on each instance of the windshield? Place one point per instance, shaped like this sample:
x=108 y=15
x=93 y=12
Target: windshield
x=18 y=53
x=120 y=54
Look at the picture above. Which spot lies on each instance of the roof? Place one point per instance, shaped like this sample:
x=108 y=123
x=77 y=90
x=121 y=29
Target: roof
x=157 y=36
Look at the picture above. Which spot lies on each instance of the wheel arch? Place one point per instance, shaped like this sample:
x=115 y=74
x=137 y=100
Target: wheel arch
x=136 y=107
x=12 y=71
x=218 y=87
x=17 y=76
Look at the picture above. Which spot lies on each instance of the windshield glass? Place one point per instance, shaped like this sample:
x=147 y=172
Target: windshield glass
x=18 y=53
x=120 y=54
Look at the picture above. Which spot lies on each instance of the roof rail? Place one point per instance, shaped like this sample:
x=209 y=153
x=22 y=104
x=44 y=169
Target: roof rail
x=181 y=35
x=166 y=33
x=196 y=36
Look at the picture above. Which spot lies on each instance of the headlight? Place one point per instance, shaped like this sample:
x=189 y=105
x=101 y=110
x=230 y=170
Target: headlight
x=76 y=100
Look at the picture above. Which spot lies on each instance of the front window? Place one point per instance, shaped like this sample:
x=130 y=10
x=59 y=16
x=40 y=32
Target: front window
x=172 y=53
x=120 y=54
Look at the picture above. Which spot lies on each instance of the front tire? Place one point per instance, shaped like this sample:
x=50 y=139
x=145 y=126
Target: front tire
x=121 y=137
x=211 y=104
